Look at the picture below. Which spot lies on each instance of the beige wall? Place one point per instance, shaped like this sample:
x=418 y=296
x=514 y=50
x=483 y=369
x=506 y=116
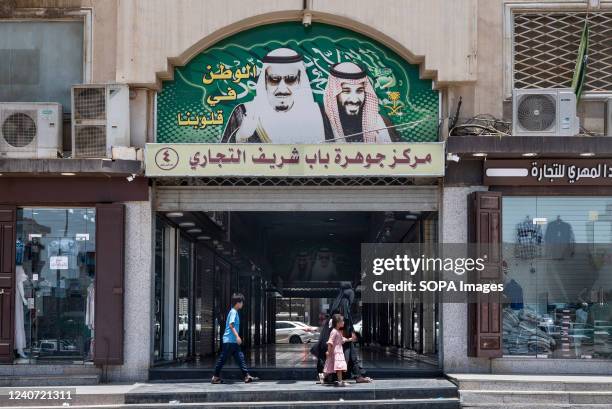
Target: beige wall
x=441 y=33
x=458 y=43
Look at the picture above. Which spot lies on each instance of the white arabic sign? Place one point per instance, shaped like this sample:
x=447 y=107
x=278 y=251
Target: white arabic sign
x=58 y=262
x=333 y=159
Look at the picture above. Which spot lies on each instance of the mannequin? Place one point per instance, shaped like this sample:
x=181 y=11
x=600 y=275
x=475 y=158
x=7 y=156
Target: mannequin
x=90 y=314
x=20 y=300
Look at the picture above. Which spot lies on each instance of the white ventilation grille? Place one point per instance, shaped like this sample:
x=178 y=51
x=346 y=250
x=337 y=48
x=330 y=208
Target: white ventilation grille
x=537 y=112
x=90 y=141
x=89 y=103
x=546 y=48
x=18 y=129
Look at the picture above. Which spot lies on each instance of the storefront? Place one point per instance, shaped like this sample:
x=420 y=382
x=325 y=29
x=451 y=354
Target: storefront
x=257 y=191
x=555 y=234
x=62 y=278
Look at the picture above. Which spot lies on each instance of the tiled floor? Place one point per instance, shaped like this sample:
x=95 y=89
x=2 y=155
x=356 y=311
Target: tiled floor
x=298 y=356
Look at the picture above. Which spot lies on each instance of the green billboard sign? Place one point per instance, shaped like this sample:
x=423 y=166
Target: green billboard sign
x=286 y=83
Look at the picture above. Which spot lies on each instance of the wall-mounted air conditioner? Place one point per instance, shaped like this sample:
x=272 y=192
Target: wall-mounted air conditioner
x=100 y=119
x=541 y=112
x=30 y=130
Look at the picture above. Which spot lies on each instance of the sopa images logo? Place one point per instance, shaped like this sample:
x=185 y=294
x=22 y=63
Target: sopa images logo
x=166 y=158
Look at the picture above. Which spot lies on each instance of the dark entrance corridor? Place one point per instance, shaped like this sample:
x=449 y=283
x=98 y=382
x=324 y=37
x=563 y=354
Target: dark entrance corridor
x=290 y=267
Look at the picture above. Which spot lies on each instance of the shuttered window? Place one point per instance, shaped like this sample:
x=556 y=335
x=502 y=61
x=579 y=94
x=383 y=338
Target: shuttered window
x=558 y=261
x=484 y=316
x=545 y=48
x=7 y=281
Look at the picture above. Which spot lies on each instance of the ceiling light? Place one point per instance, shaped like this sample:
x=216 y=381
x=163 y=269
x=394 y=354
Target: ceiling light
x=587 y=154
x=187 y=224
x=331 y=219
x=530 y=154
x=194 y=231
x=67 y=174
x=175 y=214
x=332 y=234
x=479 y=154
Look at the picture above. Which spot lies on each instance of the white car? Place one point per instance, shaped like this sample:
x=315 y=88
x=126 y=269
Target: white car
x=295 y=332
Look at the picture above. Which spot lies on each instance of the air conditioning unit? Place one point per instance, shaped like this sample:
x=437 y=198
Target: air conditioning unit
x=30 y=130
x=100 y=119
x=541 y=112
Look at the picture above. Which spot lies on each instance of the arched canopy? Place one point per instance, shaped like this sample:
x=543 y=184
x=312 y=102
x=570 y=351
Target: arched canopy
x=212 y=86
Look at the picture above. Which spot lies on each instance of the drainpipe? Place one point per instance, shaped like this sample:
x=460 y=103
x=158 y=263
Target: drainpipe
x=307 y=15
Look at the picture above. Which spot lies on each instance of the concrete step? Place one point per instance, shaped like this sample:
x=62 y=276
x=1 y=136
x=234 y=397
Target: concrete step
x=48 y=380
x=533 y=391
x=532 y=383
x=444 y=403
x=174 y=374
x=404 y=393
x=471 y=397
x=49 y=369
x=536 y=406
x=292 y=391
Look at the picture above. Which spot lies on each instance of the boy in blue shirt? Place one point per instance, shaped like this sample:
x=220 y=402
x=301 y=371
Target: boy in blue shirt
x=232 y=341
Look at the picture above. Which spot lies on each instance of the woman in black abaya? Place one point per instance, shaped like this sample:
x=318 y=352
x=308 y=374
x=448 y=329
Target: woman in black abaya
x=341 y=305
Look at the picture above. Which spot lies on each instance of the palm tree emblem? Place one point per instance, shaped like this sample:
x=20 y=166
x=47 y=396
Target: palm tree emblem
x=395 y=106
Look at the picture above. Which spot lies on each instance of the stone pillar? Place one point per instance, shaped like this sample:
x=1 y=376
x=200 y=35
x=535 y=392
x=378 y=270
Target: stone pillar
x=454 y=229
x=137 y=295
x=430 y=237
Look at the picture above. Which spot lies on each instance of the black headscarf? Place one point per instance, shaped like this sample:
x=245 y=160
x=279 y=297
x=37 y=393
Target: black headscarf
x=341 y=305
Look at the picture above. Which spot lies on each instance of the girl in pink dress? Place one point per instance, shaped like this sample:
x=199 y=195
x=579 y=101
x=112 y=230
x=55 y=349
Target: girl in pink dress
x=335 y=361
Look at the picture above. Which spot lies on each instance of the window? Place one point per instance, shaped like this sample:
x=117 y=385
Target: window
x=545 y=48
x=40 y=60
x=56 y=266
x=558 y=277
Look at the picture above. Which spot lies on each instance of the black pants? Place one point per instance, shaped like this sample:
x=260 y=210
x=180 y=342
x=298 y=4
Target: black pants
x=353 y=363
x=227 y=350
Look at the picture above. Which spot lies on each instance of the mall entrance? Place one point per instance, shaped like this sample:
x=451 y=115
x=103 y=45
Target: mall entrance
x=290 y=265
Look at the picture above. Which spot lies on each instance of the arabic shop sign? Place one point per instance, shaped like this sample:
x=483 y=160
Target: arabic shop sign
x=281 y=160
x=585 y=172
x=286 y=83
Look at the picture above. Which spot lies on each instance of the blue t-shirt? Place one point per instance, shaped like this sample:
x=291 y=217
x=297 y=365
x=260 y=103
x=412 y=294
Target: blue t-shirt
x=228 y=335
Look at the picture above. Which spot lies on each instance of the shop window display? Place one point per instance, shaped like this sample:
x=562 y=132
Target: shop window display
x=55 y=271
x=558 y=277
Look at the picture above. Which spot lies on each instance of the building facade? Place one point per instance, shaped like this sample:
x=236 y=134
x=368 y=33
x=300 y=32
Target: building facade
x=122 y=258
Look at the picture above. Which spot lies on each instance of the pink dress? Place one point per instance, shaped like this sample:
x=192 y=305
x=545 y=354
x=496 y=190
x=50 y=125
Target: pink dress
x=335 y=361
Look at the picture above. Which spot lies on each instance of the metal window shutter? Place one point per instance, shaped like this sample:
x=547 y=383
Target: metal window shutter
x=303 y=198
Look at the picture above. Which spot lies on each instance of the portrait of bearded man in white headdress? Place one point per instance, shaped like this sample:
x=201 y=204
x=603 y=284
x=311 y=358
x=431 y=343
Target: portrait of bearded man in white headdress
x=351 y=105
x=283 y=109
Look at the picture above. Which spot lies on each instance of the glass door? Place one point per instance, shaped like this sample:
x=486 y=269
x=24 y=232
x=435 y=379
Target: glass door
x=55 y=279
x=184 y=289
